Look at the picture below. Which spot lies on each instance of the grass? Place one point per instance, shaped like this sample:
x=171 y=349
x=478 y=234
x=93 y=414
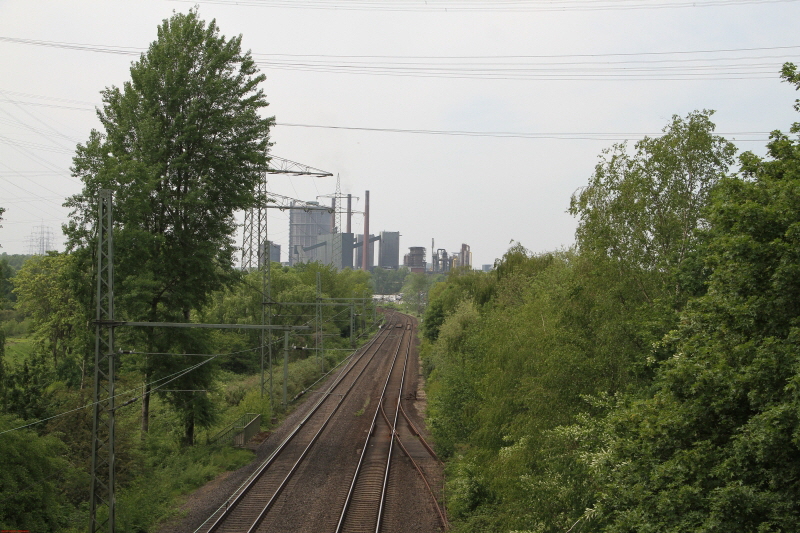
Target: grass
x=363 y=408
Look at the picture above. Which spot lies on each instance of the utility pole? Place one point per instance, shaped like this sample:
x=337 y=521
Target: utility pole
x=285 y=369
x=320 y=336
x=103 y=458
x=255 y=243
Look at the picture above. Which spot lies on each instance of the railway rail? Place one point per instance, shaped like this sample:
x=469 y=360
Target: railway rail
x=261 y=503
x=374 y=490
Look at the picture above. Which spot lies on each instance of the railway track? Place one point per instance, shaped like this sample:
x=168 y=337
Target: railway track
x=375 y=491
x=311 y=464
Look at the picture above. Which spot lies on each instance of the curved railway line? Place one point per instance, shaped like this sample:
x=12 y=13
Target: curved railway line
x=333 y=471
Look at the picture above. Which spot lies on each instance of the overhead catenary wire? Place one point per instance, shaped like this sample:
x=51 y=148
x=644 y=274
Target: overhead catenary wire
x=487 y=5
x=626 y=66
x=178 y=374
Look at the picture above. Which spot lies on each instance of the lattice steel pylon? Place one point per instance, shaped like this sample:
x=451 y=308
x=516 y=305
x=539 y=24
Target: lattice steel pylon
x=254 y=238
x=102 y=504
x=256 y=248
x=337 y=197
x=255 y=232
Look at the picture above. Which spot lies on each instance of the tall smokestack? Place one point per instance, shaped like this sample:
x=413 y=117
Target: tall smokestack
x=365 y=245
x=349 y=212
x=334 y=229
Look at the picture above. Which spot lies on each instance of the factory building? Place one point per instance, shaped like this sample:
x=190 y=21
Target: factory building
x=334 y=249
x=389 y=251
x=358 y=251
x=305 y=229
x=274 y=252
x=441 y=261
x=465 y=257
x=415 y=259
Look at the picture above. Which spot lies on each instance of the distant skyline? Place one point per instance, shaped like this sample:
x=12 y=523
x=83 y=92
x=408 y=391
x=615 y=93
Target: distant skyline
x=468 y=121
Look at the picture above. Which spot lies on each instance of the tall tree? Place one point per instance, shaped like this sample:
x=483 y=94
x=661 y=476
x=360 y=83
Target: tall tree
x=640 y=210
x=714 y=445
x=183 y=146
x=48 y=290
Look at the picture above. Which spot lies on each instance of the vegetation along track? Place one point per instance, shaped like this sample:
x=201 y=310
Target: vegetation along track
x=301 y=486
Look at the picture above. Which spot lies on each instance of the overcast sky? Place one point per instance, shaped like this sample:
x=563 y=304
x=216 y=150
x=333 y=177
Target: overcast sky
x=568 y=78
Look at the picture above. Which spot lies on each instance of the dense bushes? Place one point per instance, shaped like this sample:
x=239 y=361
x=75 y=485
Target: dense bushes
x=154 y=468
x=647 y=380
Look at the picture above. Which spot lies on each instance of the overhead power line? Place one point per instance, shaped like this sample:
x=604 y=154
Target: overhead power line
x=610 y=136
x=613 y=136
x=487 y=5
x=721 y=64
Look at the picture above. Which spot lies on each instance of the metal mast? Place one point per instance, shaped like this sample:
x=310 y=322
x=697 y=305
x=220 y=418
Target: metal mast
x=255 y=219
x=337 y=197
x=255 y=244
x=101 y=506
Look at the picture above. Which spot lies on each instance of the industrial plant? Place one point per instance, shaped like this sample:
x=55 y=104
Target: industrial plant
x=315 y=235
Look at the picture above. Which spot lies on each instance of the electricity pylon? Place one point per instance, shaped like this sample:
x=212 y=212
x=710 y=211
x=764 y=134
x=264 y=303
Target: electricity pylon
x=254 y=237
x=101 y=498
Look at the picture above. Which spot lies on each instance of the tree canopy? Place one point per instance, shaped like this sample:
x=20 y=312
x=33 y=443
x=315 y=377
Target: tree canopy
x=647 y=380
x=641 y=210
x=183 y=147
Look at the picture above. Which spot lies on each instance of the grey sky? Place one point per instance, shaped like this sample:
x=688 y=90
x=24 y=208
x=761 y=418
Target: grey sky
x=438 y=71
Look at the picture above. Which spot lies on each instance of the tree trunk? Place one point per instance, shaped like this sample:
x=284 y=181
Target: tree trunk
x=146 y=407
x=188 y=438
x=146 y=395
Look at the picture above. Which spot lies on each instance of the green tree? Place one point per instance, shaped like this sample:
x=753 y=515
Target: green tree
x=5 y=273
x=415 y=291
x=6 y=287
x=641 y=210
x=47 y=291
x=388 y=281
x=2 y=370
x=714 y=445
x=183 y=147
x=31 y=469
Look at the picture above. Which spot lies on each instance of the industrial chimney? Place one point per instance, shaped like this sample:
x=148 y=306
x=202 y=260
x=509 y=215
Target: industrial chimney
x=365 y=246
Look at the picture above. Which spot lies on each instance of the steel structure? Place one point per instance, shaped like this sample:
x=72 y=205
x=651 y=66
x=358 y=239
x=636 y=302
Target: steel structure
x=255 y=230
x=102 y=502
x=279 y=165
x=255 y=242
x=337 y=198
x=255 y=219
x=101 y=498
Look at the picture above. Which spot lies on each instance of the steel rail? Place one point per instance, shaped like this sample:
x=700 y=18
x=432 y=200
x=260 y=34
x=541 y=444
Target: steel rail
x=364 y=449
x=440 y=512
x=417 y=433
x=242 y=491
x=302 y=456
x=394 y=433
